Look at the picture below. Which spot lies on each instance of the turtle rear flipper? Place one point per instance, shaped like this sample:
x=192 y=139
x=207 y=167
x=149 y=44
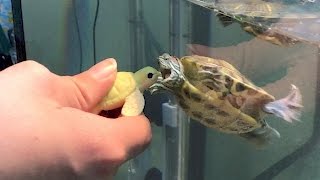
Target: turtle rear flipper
x=134 y=104
x=261 y=137
x=288 y=108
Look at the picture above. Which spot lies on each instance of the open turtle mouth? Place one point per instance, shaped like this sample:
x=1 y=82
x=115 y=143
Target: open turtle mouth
x=171 y=75
x=168 y=66
x=165 y=73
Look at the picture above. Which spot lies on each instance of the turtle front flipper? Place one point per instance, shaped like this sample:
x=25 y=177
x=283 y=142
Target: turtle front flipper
x=288 y=108
x=134 y=104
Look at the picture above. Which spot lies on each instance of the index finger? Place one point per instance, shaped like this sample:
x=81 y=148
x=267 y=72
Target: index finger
x=120 y=138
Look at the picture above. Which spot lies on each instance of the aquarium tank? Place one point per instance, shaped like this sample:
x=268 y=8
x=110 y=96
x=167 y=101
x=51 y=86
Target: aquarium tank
x=272 y=43
x=12 y=49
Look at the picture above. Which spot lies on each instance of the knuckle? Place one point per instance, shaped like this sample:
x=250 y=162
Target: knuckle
x=31 y=64
x=108 y=151
x=146 y=131
x=97 y=156
x=35 y=67
x=120 y=155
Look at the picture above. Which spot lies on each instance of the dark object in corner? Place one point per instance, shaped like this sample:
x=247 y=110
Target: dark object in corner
x=5 y=61
x=153 y=174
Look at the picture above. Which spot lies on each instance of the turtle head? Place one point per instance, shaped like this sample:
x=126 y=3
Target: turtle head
x=145 y=77
x=170 y=68
x=171 y=73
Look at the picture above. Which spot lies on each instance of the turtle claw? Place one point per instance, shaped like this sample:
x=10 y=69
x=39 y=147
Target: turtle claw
x=261 y=137
x=156 y=88
x=288 y=108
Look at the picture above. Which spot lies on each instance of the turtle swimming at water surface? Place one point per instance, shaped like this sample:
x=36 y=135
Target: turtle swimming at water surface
x=217 y=95
x=283 y=23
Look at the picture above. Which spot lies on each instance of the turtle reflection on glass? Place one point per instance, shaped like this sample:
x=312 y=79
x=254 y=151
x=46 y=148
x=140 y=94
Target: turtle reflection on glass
x=260 y=32
x=217 y=95
x=280 y=22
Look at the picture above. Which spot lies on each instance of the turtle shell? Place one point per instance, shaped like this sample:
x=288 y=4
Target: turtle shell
x=123 y=86
x=219 y=96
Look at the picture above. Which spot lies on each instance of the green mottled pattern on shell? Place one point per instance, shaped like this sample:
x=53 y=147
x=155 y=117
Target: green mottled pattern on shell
x=231 y=103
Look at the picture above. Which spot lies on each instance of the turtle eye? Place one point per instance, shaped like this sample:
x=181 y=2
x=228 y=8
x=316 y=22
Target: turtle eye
x=150 y=75
x=240 y=87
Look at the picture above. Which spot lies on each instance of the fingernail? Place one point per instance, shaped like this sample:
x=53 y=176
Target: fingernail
x=104 y=69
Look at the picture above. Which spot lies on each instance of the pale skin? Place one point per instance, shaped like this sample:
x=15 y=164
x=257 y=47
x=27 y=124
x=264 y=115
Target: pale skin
x=48 y=132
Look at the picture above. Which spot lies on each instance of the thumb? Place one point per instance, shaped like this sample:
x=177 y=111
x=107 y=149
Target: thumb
x=93 y=84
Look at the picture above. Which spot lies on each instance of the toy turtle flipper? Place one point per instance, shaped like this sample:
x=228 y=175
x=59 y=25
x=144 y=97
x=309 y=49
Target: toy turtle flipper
x=134 y=104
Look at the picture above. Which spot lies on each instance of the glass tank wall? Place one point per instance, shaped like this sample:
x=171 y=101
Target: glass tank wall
x=70 y=36
x=10 y=36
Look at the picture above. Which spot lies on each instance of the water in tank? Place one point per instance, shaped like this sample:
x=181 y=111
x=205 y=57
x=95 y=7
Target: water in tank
x=272 y=43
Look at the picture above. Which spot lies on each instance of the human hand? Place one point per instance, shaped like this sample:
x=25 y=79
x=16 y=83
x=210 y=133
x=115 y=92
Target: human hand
x=48 y=132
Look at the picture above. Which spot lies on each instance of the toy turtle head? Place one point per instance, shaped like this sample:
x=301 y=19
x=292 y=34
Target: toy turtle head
x=145 y=77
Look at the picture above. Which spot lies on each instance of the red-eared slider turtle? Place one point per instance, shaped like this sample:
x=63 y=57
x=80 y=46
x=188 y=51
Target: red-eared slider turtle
x=280 y=22
x=126 y=92
x=217 y=95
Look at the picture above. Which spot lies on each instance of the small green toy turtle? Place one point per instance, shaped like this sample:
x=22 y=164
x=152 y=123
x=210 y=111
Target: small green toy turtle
x=127 y=92
x=217 y=95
